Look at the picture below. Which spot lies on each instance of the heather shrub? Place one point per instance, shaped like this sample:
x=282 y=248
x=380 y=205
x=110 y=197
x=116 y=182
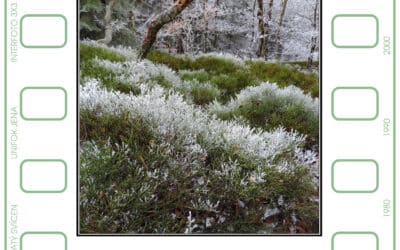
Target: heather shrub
x=198 y=145
x=268 y=107
x=125 y=193
x=91 y=69
x=158 y=160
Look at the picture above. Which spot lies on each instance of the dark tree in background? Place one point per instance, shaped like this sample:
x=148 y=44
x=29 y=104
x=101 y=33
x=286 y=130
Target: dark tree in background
x=107 y=22
x=261 y=27
x=314 y=37
x=279 y=46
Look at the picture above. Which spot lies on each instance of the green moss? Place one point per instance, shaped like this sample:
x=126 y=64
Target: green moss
x=304 y=64
x=233 y=83
x=201 y=76
x=203 y=95
x=229 y=84
x=90 y=52
x=215 y=65
x=174 y=62
x=285 y=76
x=221 y=71
x=210 y=64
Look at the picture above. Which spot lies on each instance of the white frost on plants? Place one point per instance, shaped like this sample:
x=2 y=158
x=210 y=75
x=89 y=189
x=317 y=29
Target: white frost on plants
x=292 y=93
x=173 y=119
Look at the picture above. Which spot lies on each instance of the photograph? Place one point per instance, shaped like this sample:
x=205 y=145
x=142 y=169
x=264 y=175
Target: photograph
x=199 y=117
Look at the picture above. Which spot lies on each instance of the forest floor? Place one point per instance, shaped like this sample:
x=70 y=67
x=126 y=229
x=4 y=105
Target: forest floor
x=196 y=144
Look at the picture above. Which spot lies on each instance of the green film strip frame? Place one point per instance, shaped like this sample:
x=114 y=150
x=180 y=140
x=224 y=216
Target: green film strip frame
x=21 y=181
x=21 y=111
x=354 y=46
x=44 y=46
x=354 y=191
x=6 y=121
x=354 y=119
x=354 y=233
x=43 y=233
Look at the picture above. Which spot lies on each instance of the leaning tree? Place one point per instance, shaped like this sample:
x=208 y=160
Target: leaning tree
x=158 y=22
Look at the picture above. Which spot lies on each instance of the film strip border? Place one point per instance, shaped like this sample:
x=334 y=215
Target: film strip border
x=359 y=124
x=40 y=103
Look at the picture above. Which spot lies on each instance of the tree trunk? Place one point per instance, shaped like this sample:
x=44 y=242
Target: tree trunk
x=131 y=21
x=107 y=22
x=268 y=27
x=180 y=49
x=279 y=46
x=158 y=22
x=205 y=31
x=261 y=29
x=314 y=37
x=216 y=36
x=253 y=33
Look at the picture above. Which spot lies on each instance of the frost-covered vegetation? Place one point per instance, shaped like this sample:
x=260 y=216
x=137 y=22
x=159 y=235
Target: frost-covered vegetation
x=202 y=144
x=269 y=29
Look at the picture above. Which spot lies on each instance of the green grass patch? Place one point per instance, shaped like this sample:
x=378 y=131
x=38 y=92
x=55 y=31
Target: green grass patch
x=203 y=94
x=304 y=64
x=233 y=77
x=200 y=76
x=215 y=65
x=225 y=75
x=285 y=76
x=228 y=84
x=209 y=64
x=174 y=62
x=88 y=52
x=233 y=83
